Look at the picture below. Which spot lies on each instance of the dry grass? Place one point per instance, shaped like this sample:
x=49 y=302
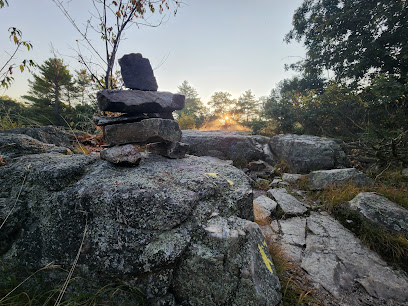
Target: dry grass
x=392 y=247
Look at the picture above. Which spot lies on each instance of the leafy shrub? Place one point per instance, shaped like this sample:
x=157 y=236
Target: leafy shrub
x=186 y=122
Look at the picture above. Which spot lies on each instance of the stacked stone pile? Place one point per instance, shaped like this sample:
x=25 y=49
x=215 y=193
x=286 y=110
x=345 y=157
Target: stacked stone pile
x=146 y=117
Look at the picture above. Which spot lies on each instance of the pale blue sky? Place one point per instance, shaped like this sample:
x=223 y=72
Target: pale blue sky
x=216 y=45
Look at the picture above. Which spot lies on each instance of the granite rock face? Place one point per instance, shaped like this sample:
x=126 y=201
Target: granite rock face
x=234 y=245
x=143 y=132
x=377 y=208
x=139 y=102
x=228 y=145
x=137 y=73
x=14 y=145
x=305 y=153
x=324 y=178
x=46 y=134
x=336 y=261
x=151 y=226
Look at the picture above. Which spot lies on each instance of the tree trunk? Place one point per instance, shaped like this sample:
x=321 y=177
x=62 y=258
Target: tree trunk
x=56 y=106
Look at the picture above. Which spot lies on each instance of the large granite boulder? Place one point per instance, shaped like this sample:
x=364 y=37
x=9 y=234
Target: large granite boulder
x=46 y=134
x=322 y=179
x=377 y=208
x=137 y=73
x=143 y=132
x=304 y=153
x=232 y=252
x=178 y=230
x=14 y=145
x=228 y=145
x=139 y=102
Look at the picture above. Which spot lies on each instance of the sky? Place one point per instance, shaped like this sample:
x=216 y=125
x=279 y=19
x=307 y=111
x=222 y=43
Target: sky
x=216 y=45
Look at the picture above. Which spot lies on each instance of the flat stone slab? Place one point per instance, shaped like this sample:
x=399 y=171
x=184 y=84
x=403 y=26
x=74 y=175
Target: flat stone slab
x=104 y=120
x=379 y=209
x=264 y=207
x=137 y=73
x=288 y=203
x=324 y=178
x=143 y=132
x=122 y=155
x=139 y=102
x=293 y=236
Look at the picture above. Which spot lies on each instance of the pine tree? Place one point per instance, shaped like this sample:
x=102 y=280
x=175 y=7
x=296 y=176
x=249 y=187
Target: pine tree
x=47 y=87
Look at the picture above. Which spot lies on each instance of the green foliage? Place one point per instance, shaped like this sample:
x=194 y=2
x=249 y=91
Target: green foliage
x=194 y=112
x=14 y=114
x=247 y=107
x=81 y=118
x=222 y=104
x=353 y=38
x=282 y=109
x=47 y=88
x=6 y=71
x=338 y=111
x=186 y=122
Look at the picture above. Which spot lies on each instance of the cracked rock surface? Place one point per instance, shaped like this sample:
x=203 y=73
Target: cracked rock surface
x=149 y=227
x=336 y=261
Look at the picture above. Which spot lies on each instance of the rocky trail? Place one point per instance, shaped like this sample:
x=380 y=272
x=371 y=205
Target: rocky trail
x=341 y=270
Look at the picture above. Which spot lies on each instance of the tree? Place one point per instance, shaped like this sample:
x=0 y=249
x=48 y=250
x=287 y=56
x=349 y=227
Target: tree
x=222 y=104
x=6 y=71
x=194 y=108
x=247 y=105
x=110 y=20
x=84 y=86
x=46 y=89
x=353 y=38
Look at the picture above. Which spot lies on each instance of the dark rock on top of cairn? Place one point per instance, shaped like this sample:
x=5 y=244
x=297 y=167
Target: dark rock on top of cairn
x=137 y=101
x=137 y=73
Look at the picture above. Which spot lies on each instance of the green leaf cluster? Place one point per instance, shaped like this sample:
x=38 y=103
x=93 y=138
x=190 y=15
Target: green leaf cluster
x=355 y=39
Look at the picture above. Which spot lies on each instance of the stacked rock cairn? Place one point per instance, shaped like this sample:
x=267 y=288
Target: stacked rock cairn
x=146 y=116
